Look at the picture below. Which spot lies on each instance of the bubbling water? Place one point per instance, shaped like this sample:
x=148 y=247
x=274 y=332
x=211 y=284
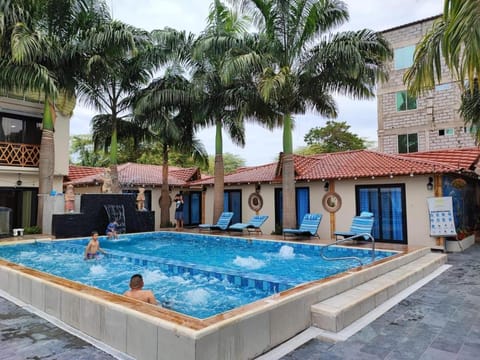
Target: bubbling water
x=197 y=296
x=249 y=262
x=97 y=270
x=286 y=252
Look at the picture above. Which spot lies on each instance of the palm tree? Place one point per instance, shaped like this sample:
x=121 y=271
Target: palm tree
x=40 y=47
x=301 y=65
x=115 y=73
x=227 y=102
x=166 y=108
x=453 y=38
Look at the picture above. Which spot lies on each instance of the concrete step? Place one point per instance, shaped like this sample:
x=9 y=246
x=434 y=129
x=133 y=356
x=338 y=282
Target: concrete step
x=339 y=311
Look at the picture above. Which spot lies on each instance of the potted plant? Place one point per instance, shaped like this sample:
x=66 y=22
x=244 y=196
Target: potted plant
x=464 y=239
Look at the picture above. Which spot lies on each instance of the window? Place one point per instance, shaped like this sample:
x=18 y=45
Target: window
x=441 y=87
x=470 y=130
x=302 y=201
x=20 y=129
x=407 y=143
x=302 y=196
x=446 y=132
x=232 y=201
x=387 y=203
x=192 y=207
x=405 y=101
x=403 y=57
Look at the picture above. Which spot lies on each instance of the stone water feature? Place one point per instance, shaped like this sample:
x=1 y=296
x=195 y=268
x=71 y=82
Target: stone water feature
x=95 y=213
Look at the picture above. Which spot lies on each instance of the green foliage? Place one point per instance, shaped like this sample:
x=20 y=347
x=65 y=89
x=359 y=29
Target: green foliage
x=32 y=230
x=470 y=110
x=83 y=154
x=231 y=162
x=333 y=137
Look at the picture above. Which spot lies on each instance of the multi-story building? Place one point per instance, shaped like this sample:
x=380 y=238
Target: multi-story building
x=20 y=136
x=429 y=122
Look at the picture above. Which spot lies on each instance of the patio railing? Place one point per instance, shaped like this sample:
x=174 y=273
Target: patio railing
x=15 y=154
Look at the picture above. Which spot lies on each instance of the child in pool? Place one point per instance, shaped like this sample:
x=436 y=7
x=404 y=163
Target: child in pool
x=93 y=247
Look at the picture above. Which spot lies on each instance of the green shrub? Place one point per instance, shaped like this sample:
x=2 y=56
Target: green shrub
x=32 y=230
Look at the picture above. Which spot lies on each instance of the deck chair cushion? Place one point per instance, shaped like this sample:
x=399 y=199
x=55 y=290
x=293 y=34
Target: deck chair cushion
x=222 y=223
x=362 y=224
x=309 y=226
x=253 y=225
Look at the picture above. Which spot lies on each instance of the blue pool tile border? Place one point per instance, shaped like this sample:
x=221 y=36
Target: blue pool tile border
x=171 y=267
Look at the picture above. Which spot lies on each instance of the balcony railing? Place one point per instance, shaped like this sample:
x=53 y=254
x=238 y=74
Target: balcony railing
x=14 y=154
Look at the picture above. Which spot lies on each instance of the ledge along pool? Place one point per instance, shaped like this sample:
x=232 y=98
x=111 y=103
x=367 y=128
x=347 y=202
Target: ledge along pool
x=194 y=274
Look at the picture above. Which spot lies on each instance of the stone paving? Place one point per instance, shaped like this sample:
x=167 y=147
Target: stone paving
x=24 y=335
x=439 y=321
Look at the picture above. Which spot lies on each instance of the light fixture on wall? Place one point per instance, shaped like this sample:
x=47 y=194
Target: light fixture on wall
x=326 y=186
x=430 y=184
x=19 y=181
x=258 y=188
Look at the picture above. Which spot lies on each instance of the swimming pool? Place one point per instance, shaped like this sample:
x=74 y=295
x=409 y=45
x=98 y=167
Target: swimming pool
x=144 y=331
x=196 y=275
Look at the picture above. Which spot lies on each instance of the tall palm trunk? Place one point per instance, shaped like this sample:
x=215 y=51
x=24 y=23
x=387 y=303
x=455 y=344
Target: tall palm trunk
x=218 y=174
x=116 y=189
x=46 y=166
x=288 y=176
x=165 y=197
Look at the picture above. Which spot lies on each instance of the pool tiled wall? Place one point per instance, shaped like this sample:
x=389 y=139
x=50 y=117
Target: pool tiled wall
x=172 y=268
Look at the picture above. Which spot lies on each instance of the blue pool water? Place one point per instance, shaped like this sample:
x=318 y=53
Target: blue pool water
x=197 y=275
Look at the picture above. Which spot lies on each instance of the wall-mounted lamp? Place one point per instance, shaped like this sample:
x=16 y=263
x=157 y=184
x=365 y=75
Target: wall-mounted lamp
x=326 y=186
x=430 y=184
x=257 y=188
x=19 y=181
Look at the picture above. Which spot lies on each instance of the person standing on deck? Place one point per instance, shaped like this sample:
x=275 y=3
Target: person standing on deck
x=179 y=211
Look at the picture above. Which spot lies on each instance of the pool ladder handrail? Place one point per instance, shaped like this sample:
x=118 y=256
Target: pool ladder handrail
x=349 y=257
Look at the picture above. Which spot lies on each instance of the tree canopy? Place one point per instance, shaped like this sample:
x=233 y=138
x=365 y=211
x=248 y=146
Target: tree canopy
x=333 y=137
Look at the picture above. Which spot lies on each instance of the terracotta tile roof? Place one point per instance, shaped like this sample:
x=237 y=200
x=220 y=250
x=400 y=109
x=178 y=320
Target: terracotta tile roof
x=358 y=164
x=348 y=164
x=466 y=158
x=254 y=174
x=132 y=174
x=364 y=163
x=77 y=172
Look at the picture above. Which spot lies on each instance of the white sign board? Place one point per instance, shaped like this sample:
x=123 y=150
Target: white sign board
x=441 y=216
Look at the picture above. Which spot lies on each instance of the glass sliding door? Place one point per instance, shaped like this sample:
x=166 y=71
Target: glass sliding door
x=387 y=203
x=302 y=202
x=232 y=201
x=192 y=208
x=302 y=199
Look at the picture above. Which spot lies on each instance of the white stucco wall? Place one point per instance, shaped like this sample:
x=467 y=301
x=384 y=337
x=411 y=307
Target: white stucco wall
x=418 y=226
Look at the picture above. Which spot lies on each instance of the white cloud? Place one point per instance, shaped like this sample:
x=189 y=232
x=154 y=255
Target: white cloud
x=262 y=145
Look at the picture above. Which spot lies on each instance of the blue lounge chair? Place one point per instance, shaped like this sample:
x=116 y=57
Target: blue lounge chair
x=308 y=227
x=221 y=225
x=361 y=225
x=252 y=226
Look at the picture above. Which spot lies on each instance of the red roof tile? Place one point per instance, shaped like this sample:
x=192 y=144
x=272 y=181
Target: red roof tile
x=364 y=163
x=358 y=164
x=77 y=172
x=132 y=174
x=254 y=174
x=466 y=158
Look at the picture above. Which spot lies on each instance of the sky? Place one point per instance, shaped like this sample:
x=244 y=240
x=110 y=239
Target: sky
x=262 y=146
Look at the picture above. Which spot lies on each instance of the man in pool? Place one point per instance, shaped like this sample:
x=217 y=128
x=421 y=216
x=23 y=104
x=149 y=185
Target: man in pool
x=93 y=247
x=136 y=290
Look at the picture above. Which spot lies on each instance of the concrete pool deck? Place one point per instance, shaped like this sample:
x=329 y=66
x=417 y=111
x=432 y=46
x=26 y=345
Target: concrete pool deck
x=31 y=333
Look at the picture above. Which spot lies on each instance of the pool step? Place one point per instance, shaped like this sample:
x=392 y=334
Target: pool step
x=339 y=311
